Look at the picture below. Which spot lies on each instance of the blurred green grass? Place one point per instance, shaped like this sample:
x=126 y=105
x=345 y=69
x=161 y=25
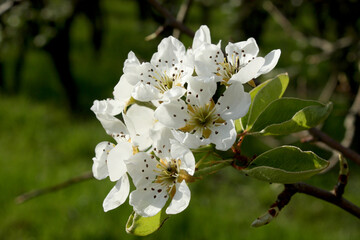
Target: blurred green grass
x=42 y=144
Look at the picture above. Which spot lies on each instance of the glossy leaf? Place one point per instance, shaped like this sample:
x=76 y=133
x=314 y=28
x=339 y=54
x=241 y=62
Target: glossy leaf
x=285 y=164
x=143 y=226
x=262 y=96
x=289 y=115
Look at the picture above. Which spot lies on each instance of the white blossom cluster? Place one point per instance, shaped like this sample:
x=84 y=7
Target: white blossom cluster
x=162 y=109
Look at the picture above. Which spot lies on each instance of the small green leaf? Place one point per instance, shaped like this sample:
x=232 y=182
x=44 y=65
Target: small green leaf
x=262 y=96
x=285 y=164
x=143 y=226
x=289 y=115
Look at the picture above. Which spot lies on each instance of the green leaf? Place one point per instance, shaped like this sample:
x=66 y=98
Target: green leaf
x=289 y=115
x=143 y=226
x=286 y=164
x=262 y=96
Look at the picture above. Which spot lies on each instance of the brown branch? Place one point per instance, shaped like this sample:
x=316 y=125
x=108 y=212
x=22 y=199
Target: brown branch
x=170 y=19
x=349 y=124
x=326 y=196
x=291 y=189
x=38 y=192
x=282 y=200
x=183 y=11
x=346 y=152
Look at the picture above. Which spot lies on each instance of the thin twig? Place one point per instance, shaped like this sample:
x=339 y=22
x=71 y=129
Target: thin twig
x=346 y=152
x=349 y=124
x=323 y=44
x=155 y=34
x=170 y=19
x=326 y=196
x=282 y=200
x=183 y=11
x=325 y=55
x=291 y=189
x=38 y=192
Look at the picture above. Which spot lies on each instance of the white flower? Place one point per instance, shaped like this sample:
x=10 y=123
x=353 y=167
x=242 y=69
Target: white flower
x=240 y=64
x=109 y=158
x=162 y=78
x=159 y=178
x=203 y=119
x=119 y=193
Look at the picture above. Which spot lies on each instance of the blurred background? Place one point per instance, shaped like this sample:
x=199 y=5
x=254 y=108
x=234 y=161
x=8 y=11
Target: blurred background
x=58 y=56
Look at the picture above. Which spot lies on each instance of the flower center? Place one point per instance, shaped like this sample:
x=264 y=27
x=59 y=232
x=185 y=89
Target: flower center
x=164 y=82
x=226 y=69
x=168 y=174
x=168 y=171
x=202 y=119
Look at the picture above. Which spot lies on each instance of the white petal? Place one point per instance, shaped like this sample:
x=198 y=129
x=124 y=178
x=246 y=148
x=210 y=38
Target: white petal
x=99 y=168
x=248 y=47
x=224 y=136
x=200 y=90
x=251 y=47
x=111 y=124
x=190 y=140
x=132 y=59
x=162 y=144
x=235 y=102
x=248 y=72
x=174 y=93
x=116 y=157
x=132 y=69
x=108 y=106
x=206 y=58
x=180 y=200
x=118 y=194
x=122 y=90
x=148 y=201
x=145 y=92
x=170 y=50
x=202 y=35
x=179 y=151
x=172 y=114
x=141 y=168
x=139 y=121
x=271 y=60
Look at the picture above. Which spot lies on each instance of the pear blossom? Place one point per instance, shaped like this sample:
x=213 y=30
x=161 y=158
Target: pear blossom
x=109 y=158
x=240 y=63
x=203 y=119
x=163 y=77
x=119 y=193
x=158 y=179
